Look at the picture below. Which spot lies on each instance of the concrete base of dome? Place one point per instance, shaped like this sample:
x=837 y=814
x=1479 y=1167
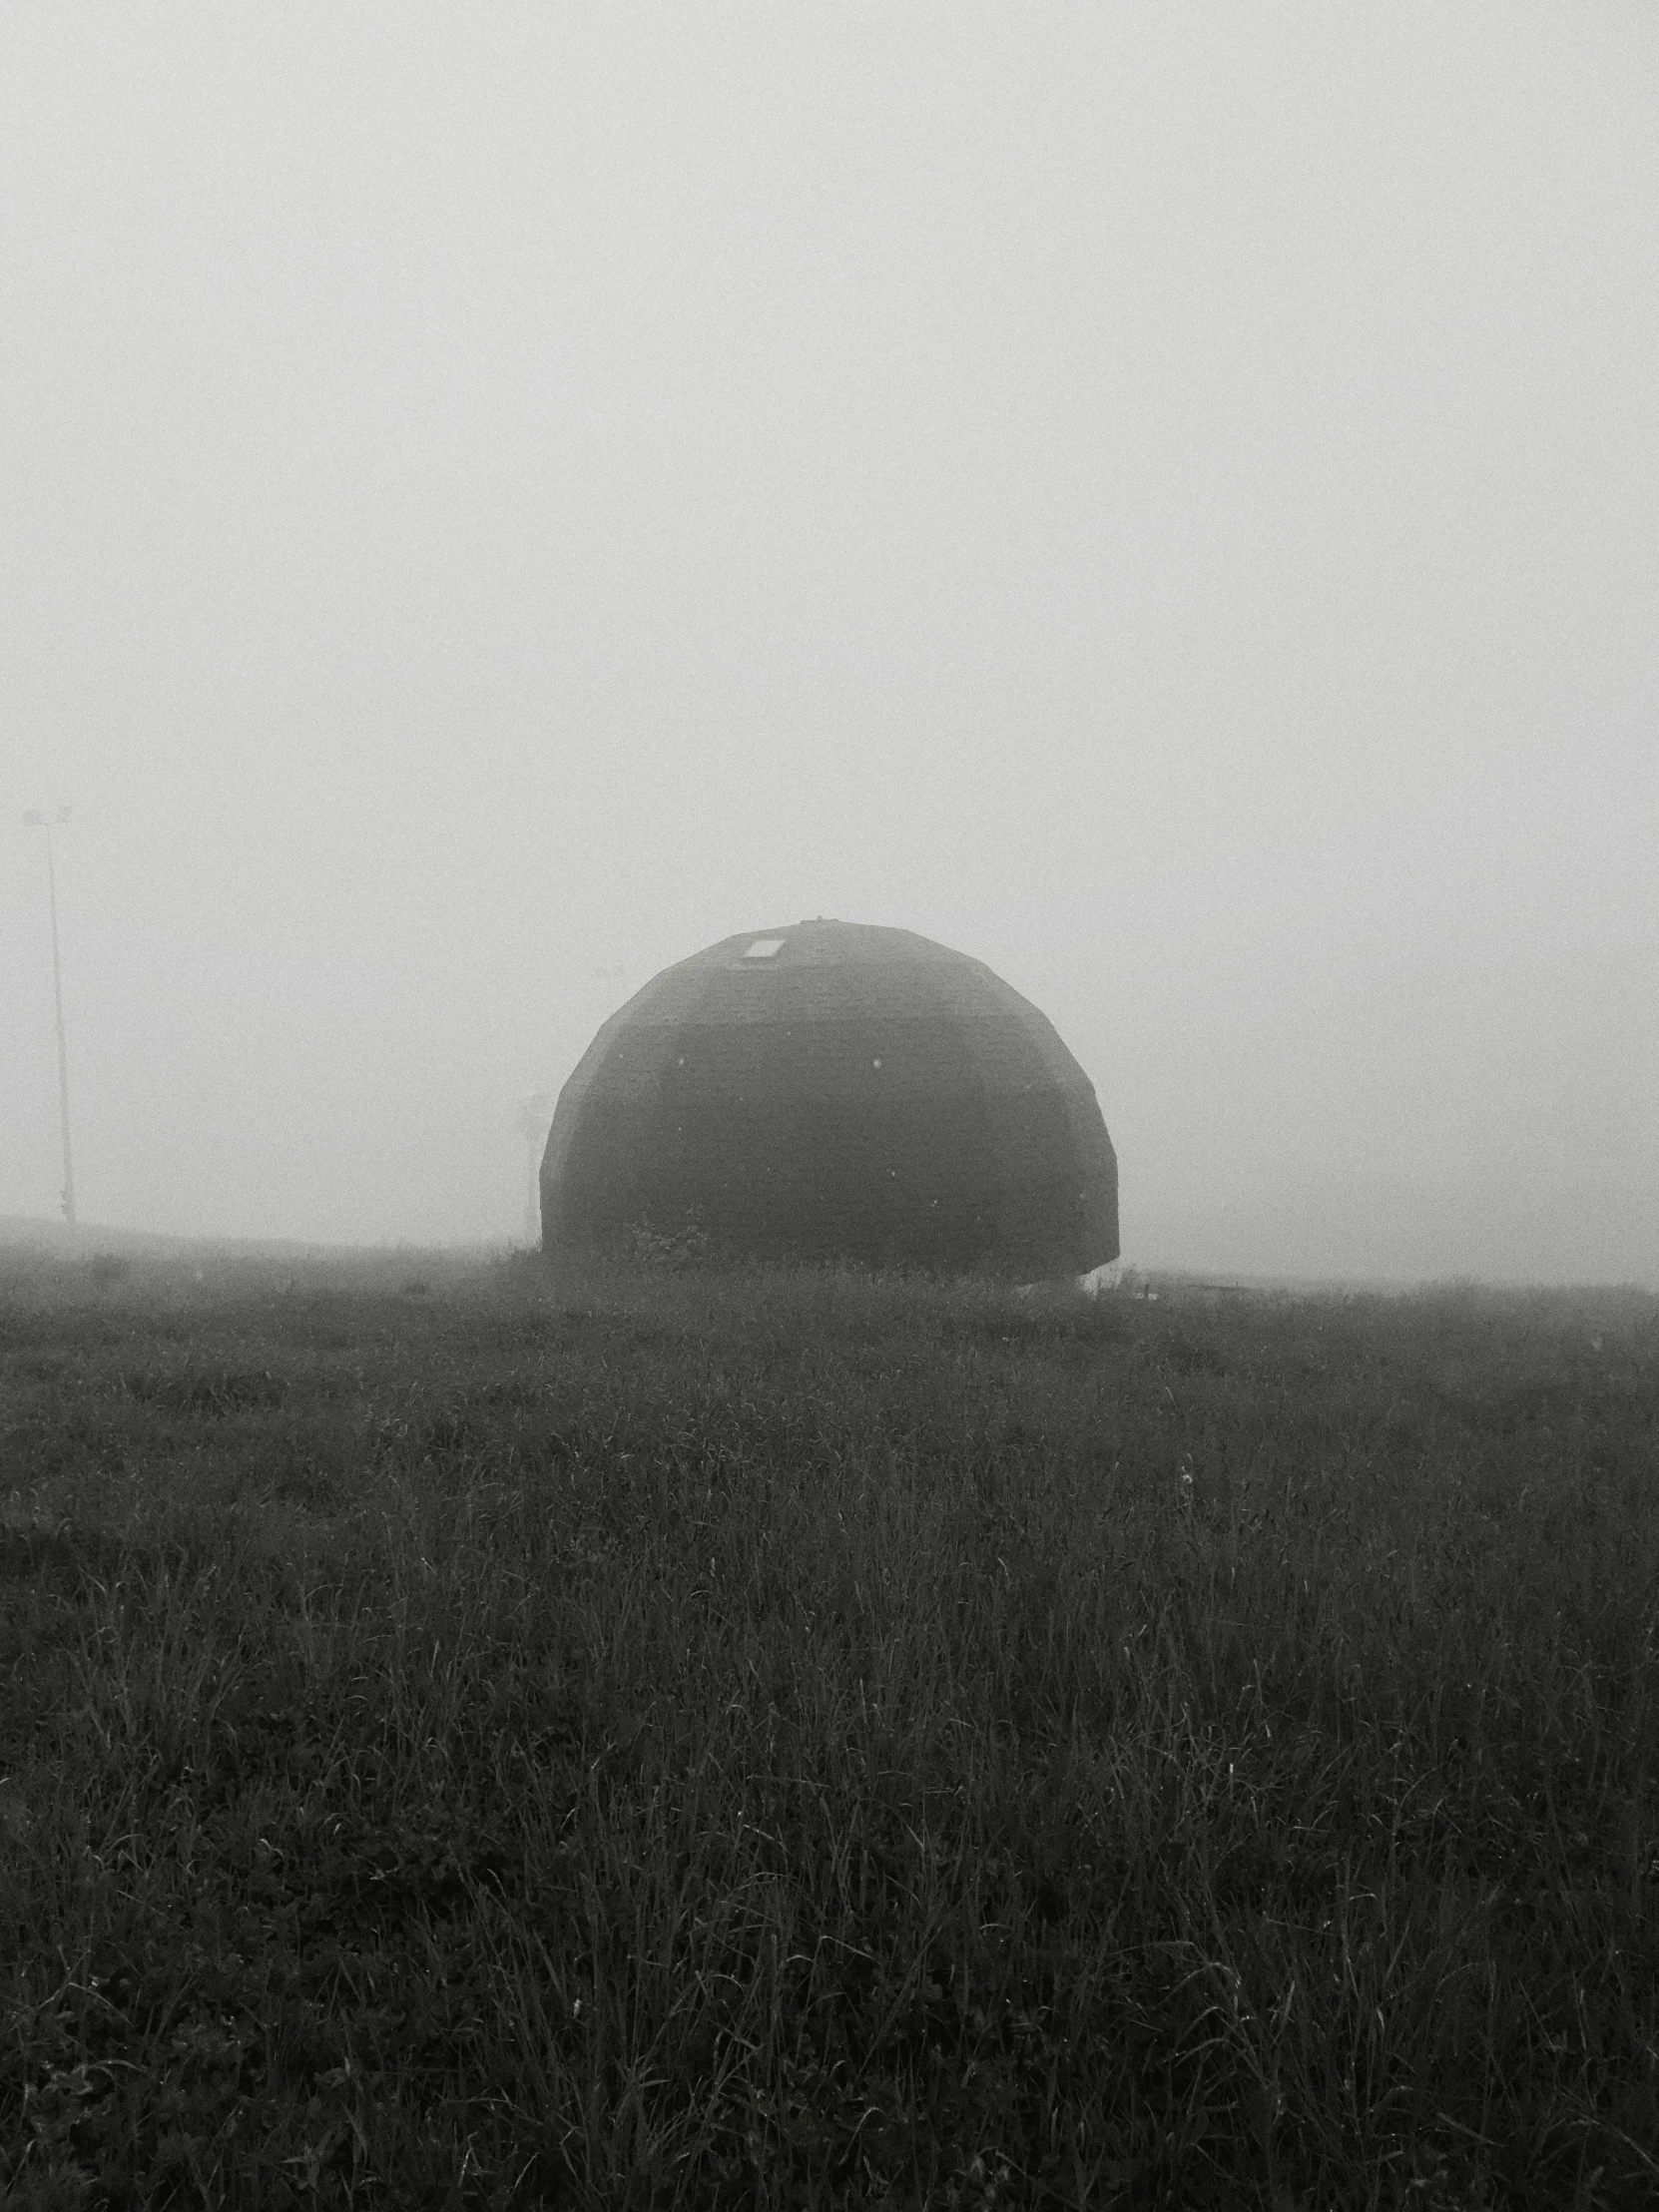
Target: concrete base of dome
x=1107 y=1277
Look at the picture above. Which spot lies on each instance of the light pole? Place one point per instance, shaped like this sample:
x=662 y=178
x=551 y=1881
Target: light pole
x=532 y=1127
x=37 y=821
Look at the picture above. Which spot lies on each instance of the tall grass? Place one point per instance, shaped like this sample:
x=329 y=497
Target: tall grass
x=710 y=1739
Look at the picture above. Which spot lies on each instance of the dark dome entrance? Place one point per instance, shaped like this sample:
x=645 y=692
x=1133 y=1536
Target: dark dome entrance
x=835 y=1091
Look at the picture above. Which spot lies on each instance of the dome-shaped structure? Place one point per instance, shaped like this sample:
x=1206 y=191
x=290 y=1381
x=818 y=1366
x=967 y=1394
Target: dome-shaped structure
x=833 y=1091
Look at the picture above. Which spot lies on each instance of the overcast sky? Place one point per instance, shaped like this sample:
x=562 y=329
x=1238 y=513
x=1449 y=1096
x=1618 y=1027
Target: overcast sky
x=1162 y=499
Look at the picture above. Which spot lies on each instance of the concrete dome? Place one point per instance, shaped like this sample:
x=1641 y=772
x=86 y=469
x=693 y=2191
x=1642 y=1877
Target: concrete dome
x=832 y=1091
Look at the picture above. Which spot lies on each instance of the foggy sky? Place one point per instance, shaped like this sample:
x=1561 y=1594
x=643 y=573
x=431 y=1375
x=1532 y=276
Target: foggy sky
x=1164 y=500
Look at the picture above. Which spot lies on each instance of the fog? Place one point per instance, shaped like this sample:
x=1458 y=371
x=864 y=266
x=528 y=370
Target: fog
x=1160 y=499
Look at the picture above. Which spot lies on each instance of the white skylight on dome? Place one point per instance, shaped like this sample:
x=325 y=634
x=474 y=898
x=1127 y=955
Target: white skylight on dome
x=765 y=948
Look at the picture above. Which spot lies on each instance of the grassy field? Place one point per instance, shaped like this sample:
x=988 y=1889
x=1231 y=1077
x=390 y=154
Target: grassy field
x=475 y=1736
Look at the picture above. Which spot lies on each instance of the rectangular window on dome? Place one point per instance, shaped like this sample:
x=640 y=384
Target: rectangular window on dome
x=765 y=948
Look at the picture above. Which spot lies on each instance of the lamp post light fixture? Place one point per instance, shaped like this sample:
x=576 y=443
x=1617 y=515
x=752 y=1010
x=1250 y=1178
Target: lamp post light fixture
x=35 y=819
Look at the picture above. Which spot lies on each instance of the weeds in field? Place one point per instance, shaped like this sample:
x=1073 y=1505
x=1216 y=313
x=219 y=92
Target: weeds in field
x=686 y=1246
x=702 y=1738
